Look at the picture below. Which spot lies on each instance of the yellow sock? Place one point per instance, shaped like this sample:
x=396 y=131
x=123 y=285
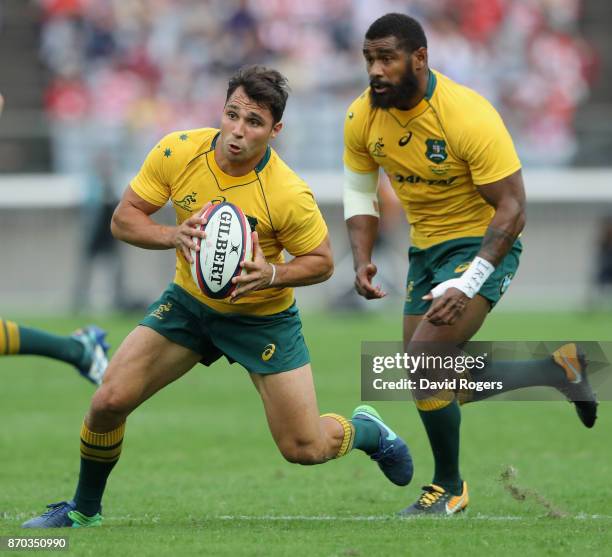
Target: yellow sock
x=9 y=337
x=101 y=447
x=349 y=434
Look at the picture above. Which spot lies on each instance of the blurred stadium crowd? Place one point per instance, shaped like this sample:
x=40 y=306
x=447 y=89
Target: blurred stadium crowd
x=122 y=73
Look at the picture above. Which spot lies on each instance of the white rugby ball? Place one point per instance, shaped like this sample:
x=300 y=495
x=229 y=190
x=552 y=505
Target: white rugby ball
x=227 y=244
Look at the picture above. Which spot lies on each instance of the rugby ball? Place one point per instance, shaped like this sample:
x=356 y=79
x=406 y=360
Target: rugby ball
x=227 y=244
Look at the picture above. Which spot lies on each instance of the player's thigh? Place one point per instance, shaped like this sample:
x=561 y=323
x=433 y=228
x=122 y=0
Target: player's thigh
x=411 y=322
x=144 y=363
x=420 y=331
x=290 y=403
x=461 y=331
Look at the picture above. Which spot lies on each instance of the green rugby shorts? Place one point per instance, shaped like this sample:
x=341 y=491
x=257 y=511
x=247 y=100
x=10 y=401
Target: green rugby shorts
x=260 y=343
x=446 y=260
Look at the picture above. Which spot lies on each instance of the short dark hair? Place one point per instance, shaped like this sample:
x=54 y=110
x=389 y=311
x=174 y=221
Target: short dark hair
x=405 y=29
x=265 y=86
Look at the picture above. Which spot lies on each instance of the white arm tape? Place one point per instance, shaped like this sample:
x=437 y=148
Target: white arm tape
x=469 y=282
x=360 y=193
x=475 y=276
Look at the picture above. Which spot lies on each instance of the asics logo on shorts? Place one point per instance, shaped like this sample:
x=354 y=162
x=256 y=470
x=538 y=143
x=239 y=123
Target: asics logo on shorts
x=268 y=352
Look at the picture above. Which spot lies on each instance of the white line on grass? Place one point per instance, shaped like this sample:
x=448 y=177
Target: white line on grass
x=147 y=519
x=381 y=518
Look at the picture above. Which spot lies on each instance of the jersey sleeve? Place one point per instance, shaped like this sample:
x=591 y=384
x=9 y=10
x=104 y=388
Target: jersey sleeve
x=302 y=227
x=356 y=156
x=486 y=145
x=152 y=182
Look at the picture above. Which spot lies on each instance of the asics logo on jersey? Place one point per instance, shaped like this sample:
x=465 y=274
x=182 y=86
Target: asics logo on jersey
x=405 y=139
x=218 y=200
x=268 y=352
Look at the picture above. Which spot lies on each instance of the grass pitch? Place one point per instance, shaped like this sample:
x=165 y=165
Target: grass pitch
x=200 y=474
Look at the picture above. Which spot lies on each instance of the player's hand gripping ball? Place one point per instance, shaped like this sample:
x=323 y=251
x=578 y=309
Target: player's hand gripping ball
x=227 y=244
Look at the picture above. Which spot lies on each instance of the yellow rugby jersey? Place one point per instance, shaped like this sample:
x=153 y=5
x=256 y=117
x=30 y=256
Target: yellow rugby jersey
x=434 y=154
x=182 y=169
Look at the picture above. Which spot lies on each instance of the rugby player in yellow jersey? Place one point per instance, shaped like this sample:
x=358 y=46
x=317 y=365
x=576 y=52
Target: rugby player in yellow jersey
x=453 y=166
x=259 y=327
x=86 y=349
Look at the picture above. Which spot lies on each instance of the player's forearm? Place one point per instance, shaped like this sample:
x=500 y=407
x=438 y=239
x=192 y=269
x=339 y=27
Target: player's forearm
x=362 y=231
x=134 y=227
x=501 y=234
x=504 y=229
x=304 y=271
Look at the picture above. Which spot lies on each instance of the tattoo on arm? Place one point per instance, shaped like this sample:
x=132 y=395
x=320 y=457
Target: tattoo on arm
x=496 y=244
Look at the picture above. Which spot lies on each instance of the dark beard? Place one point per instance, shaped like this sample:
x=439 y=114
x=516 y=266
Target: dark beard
x=396 y=95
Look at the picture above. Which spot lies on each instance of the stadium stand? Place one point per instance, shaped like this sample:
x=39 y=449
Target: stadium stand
x=133 y=70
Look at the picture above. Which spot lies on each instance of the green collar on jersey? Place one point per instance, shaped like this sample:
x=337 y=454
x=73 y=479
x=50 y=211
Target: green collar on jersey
x=260 y=165
x=431 y=85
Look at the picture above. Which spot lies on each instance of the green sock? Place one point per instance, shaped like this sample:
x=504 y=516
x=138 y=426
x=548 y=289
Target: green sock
x=40 y=343
x=92 y=482
x=99 y=454
x=367 y=436
x=442 y=428
x=518 y=375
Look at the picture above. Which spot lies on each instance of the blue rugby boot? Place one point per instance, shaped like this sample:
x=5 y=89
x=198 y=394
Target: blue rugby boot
x=63 y=515
x=393 y=456
x=95 y=359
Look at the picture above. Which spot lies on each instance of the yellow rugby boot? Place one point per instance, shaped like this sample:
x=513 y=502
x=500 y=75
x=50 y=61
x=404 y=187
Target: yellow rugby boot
x=577 y=388
x=436 y=500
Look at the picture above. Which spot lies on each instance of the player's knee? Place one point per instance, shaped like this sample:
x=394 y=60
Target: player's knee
x=305 y=453
x=111 y=401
